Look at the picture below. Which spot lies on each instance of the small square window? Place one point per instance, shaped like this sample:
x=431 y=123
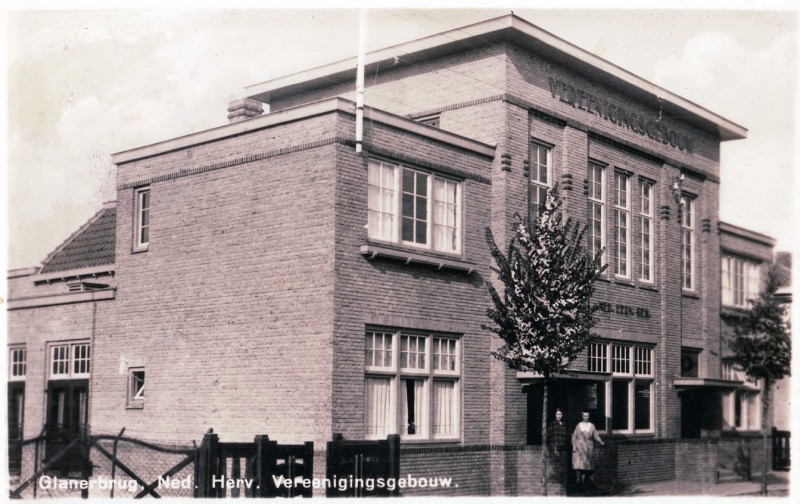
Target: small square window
x=136 y=388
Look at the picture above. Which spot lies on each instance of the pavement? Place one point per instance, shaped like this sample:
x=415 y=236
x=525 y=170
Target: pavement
x=777 y=485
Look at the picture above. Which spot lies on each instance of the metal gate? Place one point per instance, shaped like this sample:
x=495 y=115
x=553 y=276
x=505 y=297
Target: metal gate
x=362 y=468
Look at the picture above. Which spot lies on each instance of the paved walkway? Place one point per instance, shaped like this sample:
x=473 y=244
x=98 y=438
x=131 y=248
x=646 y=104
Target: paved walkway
x=777 y=485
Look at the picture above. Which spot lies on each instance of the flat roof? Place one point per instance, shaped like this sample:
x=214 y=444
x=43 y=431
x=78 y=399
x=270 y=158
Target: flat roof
x=519 y=31
x=297 y=113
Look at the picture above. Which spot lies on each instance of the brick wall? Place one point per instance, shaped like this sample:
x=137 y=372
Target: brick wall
x=230 y=310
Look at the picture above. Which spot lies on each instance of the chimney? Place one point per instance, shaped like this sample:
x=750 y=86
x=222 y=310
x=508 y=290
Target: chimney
x=245 y=108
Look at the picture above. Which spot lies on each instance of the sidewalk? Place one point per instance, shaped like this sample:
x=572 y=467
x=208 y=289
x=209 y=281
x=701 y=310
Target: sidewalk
x=777 y=485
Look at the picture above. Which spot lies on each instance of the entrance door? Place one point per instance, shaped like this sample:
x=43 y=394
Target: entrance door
x=571 y=396
x=67 y=409
x=16 y=408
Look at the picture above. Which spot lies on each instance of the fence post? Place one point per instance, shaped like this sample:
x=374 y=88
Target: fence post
x=86 y=464
x=308 y=466
x=394 y=459
x=208 y=465
x=261 y=466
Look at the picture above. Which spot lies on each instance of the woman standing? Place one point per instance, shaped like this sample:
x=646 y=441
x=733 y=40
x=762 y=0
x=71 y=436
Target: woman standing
x=583 y=439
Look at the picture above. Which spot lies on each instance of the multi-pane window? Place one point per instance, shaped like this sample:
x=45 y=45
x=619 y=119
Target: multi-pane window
x=688 y=248
x=541 y=177
x=740 y=281
x=17 y=361
x=142 y=218
x=631 y=387
x=622 y=219
x=596 y=217
x=646 y=230
x=740 y=408
x=620 y=359
x=416 y=395
x=413 y=207
x=70 y=360
x=381 y=200
x=598 y=357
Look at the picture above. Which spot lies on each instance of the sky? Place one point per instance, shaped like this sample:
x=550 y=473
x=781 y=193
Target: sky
x=83 y=83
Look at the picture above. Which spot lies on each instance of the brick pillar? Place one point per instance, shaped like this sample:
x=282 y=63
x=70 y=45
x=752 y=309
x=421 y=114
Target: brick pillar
x=245 y=108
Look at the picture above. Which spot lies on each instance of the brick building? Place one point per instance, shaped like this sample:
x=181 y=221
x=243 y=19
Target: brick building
x=266 y=278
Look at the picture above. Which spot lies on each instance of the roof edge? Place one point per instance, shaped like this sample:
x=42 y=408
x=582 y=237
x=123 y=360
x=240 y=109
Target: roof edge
x=731 y=229
x=504 y=27
x=75 y=234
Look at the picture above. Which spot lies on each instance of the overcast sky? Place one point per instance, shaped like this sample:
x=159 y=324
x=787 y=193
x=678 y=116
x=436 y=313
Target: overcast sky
x=83 y=84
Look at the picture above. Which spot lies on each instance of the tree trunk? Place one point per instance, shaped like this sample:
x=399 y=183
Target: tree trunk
x=544 y=437
x=764 y=421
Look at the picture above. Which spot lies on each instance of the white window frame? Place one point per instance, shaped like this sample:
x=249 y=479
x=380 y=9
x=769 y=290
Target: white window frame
x=71 y=355
x=135 y=396
x=17 y=363
x=537 y=184
x=639 y=367
x=741 y=279
x=141 y=217
x=596 y=200
x=688 y=243
x=427 y=372
x=433 y=222
x=622 y=224
x=749 y=396
x=646 y=221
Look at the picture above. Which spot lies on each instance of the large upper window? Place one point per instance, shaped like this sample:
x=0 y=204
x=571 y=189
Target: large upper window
x=541 y=176
x=597 y=212
x=646 y=231
x=622 y=219
x=688 y=247
x=413 y=207
x=412 y=385
x=740 y=281
x=69 y=360
x=142 y=218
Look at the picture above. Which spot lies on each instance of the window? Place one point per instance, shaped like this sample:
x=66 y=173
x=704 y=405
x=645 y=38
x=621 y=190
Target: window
x=688 y=242
x=69 y=360
x=136 y=387
x=142 y=218
x=741 y=408
x=740 y=281
x=646 y=231
x=596 y=217
x=690 y=362
x=622 y=216
x=598 y=357
x=541 y=177
x=17 y=363
x=630 y=390
x=412 y=385
x=413 y=207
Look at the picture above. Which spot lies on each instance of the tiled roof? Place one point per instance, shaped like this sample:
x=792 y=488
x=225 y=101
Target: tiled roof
x=91 y=245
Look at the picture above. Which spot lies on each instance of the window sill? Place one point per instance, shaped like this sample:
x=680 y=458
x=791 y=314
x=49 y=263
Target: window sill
x=426 y=442
x=371 y=251
x=623 y=281
x=648 y=287
x=690 y=295
x=134 y=406
x=140 y=249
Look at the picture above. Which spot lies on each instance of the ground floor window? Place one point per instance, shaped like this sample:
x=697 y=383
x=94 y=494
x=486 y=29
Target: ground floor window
x=412 y=385
x=741 y=409
x=630 y=391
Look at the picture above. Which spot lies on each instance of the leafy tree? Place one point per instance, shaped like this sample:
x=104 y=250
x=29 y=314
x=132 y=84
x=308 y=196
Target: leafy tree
x=544 y=314
x=763 y=349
